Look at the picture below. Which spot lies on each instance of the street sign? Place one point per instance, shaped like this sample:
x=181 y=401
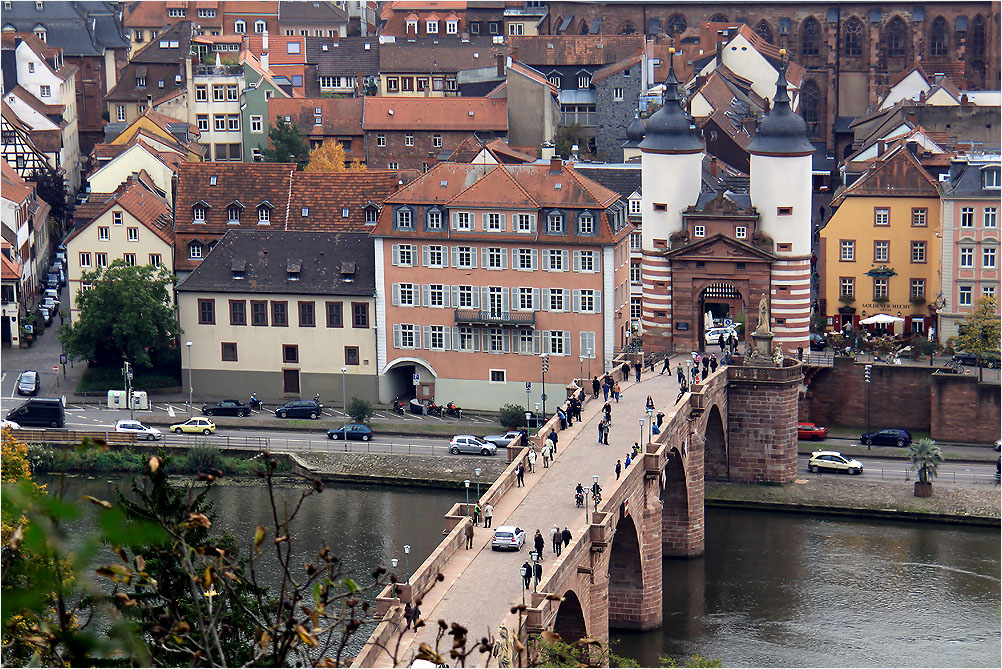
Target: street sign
x=55 y=369
x=417 y=379
x=528 y=386
x=728 y=322
x=543 y=397
x=62 y=358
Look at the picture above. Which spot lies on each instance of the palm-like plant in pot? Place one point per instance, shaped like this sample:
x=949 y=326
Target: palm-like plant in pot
x=926 y=457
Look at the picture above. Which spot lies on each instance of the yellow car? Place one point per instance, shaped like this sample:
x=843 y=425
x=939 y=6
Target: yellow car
x=194 y=425
x=833 y=461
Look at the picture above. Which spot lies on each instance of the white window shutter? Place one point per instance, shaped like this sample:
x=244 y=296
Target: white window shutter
x=566 y=259
x=567 y=299
x=546 y=341
x=505 y=300
x=445 y=297
x=577 y=300
x=473 y=257
x=535 y=299
x=426 y=292
x=455 y=337
x=396 y=254
x=445 y=256
x=504 y=222
x=546 y=260
x=598 y=301
x=546 y=299
x=567 y=342
x=483 y=221
x=476 y=341
x=396 y=295
x=583 y=340
x=455 y=296
x=504 y=259
x=506 y=342
x=425 y=255
x=535 y=259
x=577 y=261
x=455 y=256
x=535 y=342
x=396 y=336
x=485 y=298
x=476 y=297
x=427 y=336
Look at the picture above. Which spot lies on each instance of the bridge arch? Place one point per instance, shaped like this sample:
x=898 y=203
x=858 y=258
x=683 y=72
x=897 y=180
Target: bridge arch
x=715 y=448
x=626 y=576
x=570 y=620
x=675 y=525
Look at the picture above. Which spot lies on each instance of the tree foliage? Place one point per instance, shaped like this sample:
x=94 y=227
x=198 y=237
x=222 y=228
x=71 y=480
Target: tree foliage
x=286 y=144
x=512 y=416
x=51 y=187
x=330 y=157
x=126 y=314
x=565 y=139
x=980 y=331
x=360 y=410
x=926 y=458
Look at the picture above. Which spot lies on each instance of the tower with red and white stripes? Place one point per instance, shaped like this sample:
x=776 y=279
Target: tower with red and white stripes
x=780 y=189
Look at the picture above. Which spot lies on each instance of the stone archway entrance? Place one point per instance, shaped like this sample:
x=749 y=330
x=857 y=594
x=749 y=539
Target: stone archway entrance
x=570 y=621
x=724 y=301
x=401 y=374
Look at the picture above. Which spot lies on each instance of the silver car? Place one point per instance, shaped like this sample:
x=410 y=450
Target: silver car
x=508 y=537
x=467 y=443
x=502 y=440
x=138 y=429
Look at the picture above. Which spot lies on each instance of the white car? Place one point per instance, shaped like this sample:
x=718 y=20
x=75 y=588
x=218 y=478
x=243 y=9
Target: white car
x=713 y=334
x=137 y=428
x=833 y=461
x=467 y=443
x=508 y=537
x=9 y=425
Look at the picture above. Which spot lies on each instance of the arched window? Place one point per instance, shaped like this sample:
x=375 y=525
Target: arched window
x=939 y=37
x=627 y=28
x=676 y=24
x=810 y=37
x=764 y=31
x=896 y=38
x=260 y=26
x=584 y=27
x=976 y=37
x=810 y=106
x=718 y=18
x=852 y=38
x=239 y=27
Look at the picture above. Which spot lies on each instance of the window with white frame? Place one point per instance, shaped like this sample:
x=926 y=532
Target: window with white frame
x=557 y=301
x=371 y=215
x=558 y=342
x=175 y=13
x=881 y=250
x=263 y=215
x=467 y=341
x=411 y=26
x=920 y=217
x=198 y=213
x=698 y=231
x=219 y=122
x=991 y=217
x=586 y=224
x=256 y=124
x=434 y=256
x=847 y=250
x=587 y=301
x=555 y=223
x=525 y=342
x=617 y=94
x=554 y=79
x=847 y=286
x=880 y=288
x=493 y=222
x=967 y=256
x=967 y=217
x=436 y=141
x=202 y=121
x=406 y=335
x=404 y=219
x=240 y=27
x=881 y=216
x=495 y=341
x=918 y=251
x=524 y=222
x=462 y=220
x=85 y=259
x=431 y=27
x=260 y=27
x=406 y=293
x=46 y=91
x=988 y=258
x=130 y=259
x=988 y=291
x=495 y=258
x=964 y=296
x=635 y=273
x=436 y=296
x=587 y=344
x=434 y=220
x=408 y=140
x=918 y=289
x=120 y=113
x=403 y=255
x=464 y=257
x=132 y=234
x=194 y=250
x=516 y=29
x=992 y=177
x=525 y=300
x=101 y=259
x=555 y=260
x=585 y=261
x=636 y=206
x=393 y=165
x=436 y=338
x=740 y=232
x=584 y=80
x=636 y=308
x=103 y=233
x=466 y=297
x=156 y=259
x=524 y=261
x=636 y=241
x=380 y=140
x=201 y=93
x=451 y=27
x=117 y=217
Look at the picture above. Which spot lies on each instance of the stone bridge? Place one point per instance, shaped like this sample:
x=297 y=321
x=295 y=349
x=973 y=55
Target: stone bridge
x=739 y=425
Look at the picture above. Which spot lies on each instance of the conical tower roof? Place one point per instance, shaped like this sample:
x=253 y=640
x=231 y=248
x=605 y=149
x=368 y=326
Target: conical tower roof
x=781 y=132
x=671 y=129
x=635 y=133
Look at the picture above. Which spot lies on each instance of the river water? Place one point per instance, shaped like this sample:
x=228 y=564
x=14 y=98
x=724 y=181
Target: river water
x=772 y=589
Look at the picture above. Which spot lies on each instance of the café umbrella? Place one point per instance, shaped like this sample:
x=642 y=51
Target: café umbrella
x=881 y=319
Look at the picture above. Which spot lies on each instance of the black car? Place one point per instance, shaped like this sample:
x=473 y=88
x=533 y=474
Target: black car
x=989 y=359
x=818 y=342
x=351 y=431
x=888 y=437
x=226 y=408
x=299 y=409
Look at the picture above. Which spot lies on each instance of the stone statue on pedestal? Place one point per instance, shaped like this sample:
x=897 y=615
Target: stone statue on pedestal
x=763 y=316
x=761 y=353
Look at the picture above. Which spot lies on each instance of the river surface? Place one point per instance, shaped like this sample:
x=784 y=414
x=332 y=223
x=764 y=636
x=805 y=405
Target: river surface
x=772 y=589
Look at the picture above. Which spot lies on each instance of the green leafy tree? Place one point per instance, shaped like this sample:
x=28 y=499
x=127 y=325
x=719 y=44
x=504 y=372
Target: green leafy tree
x=51 y=187
x=286 y=144
x=926 y=457
x=980 y=332
x=360 y=410
x=127 y=314
x=512 y=416
x=565 y=139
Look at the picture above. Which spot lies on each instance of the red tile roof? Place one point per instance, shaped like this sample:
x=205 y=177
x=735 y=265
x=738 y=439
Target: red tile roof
x=327 y=194
x=11 y=268
x=15 y=188
x=278 y=48
x=339 y=116
x=540 y=50
x=250 y=184
x=469 y=114
x=146 y=207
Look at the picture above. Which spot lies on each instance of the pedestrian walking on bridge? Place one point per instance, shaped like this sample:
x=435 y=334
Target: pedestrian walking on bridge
x=557 y=538
x=469 y=536
x=520 y=475
x=619 y=468
x=596 y=387
x=532 y=460
x=526 y=571
x=679 y=374
x=637 y=368
x=488 y=514
x=537 y=573
x=566 y=535
x=538 y=542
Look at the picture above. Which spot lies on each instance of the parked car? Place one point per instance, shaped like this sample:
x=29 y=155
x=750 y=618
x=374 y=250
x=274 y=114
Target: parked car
x=833 y=461
x=9 y=425
x=194 y=426
x=299 y=409
x=502 y=440
x=40 y=411
x=818 y=342
x=508 y=537
x=467 y=443
x=811 y=431
x=226 y=408
x=989 y=359
x=889 y=437
x=713 y=334
x=27 y=383
x=138 y=429
x=45 y=314
x=350 y=432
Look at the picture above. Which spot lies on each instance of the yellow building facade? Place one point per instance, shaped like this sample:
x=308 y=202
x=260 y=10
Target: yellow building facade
x=880 y=251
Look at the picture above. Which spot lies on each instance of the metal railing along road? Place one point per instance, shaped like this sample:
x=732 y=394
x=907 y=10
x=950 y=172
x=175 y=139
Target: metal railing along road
x=70 y=437
x=908 y=476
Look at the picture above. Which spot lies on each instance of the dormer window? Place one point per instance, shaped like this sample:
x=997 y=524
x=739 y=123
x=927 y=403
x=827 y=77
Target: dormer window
x=293 y=271
x=40 y=32
x=260 y=26
x=431 y=27
x=264 y=214
x=198 y=213
x=345 y=212
x=451 y=27
x=992 y=177
x=635 y=206
x=233 y=214
x=584 y=80
x=195 y=250
x=240 y=27
x=239 y=268
x=404 y=219
x=555 y=223
x=586 y=224
x=434 y=219
x=371 y=215
x=412 y=27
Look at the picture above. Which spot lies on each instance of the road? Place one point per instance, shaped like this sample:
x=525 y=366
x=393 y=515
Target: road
x=896 y=469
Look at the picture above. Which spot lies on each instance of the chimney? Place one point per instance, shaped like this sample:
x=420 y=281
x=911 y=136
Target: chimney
x=546 y=151
x=881 y=147
x=713 y=165
x=265 y=64
x=964 y=100
x=432 y=159
x=921 y=97
x=264 y=41
x=359 y=85
x=555 y=164
x=749 y=124
x=912 y=147
x=500 y=61
x=574 y=152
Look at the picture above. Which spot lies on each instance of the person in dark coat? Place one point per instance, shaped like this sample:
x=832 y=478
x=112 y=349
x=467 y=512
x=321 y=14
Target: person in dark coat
x=539 y=543
x=408 y=615
x=706 y=366
x=721 y=343
x=537 y=572
x=619 y=468
x=553 y=438
x=556 y=540
x=667 y=365
x=527 y=574
x=637 y=368
x=596 y=387
x=626 y=372
x=416 y=612
x=713 y=362
x=469 y=536
x=520 y=475
x=566 y=535
x=524 y=436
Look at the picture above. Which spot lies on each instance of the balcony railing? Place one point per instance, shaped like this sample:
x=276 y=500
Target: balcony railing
x=478 y=317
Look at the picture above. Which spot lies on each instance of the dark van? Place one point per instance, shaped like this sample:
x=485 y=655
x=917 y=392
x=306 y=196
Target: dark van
x=40 y=411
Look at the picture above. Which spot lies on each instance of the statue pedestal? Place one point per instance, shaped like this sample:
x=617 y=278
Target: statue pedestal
x=761 y=353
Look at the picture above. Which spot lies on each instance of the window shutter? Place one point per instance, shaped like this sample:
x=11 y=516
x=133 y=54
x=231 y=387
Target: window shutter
x=396 y=254
x=455 y=296
x=535 y=299
x=535 y=342
x=505 y=300
x=583 y=339
x=427 y=336
x=546 y=299
x=417 y=336
x=426 y=255
x=476 y=297
x=455 y=338
x=504 y=259
x=473 y=257
x=566 y=258
x=577 y=261
x=396 y=336
x=426 y=291
x=535 y=259
x=445 y=256
x=485 y=298
x=506 y=342
x=567 y=299
x=577 y=300
x=567 y=342
x=445 y=297
x=396 y=295
x=504 y=222
x=455 y=256
x=546 y=260
x=598 y=301
x=546 y=341
x=476 y=341
x=483 y=221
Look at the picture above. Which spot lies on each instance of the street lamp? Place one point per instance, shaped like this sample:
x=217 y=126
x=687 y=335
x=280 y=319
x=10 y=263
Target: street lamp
x=535 y=561
x=641 y=421
x=545 y=362
x=867 y=370
x=477 y=472
x=595 y=489
x=581 y=368
x=407 y=569
x=188 y=344
x=467 y=484
x=650 y=420
x=344 y=400
x=589 y=363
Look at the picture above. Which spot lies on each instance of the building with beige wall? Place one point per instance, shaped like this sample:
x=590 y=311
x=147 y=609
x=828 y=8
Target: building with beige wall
x=134 y=224
x=281 y=314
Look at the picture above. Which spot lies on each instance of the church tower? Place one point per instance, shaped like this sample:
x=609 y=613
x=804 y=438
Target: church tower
x=671 y=169
x=780 y=188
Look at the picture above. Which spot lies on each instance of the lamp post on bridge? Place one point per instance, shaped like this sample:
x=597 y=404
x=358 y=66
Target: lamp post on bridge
x=477 y=472
x=407 y=568
x=641 y=421
x=535 y=561
x=396 y=591
x=545 y=363
x=650 y=430
x=467 y=484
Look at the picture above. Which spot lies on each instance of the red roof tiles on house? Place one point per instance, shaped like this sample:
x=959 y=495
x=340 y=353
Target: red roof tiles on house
x=469 y=114
x=327 y=195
